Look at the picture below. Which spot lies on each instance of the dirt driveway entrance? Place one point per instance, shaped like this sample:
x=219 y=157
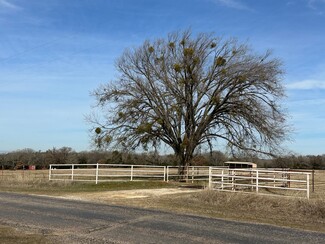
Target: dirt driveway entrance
x=124 y=195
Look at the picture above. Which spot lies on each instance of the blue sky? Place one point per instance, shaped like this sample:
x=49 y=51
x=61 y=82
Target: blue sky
x=54 y=53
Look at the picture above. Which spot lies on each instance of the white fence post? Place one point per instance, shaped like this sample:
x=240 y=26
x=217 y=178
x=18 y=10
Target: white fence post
x=187 y=168
x=256 y=181
x=232 y=180
x=96 y=173
x=131 y=172
x=221 y=179
x=50 y=169
x=210 y=178
x=307 y=186
x=72 y=168
x=167 y=174
x=164 y=173
x=252 y=180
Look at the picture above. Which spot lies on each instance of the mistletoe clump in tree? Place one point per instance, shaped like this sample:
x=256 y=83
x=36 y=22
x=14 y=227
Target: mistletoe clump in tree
x=187 y=91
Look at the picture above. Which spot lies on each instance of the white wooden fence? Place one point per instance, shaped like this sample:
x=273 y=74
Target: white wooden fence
x=218 y=178
x=106 y=172
x=190 y=174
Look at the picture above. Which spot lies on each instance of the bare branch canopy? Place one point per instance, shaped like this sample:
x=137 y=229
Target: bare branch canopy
x=187 y=91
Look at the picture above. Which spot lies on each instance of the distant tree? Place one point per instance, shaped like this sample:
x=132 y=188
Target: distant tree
x=188 y=91
x=82 y=158
x=116 y=157
x=59 y=156
x=217 y=158
x=95 y=157
x=129 y=159
x=282 y=162
x=316 y=162
x=199 y=160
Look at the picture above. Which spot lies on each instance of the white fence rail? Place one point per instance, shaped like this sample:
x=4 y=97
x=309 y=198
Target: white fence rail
x=218 y=178
x=118 y=172
x=106 y=172
x=259 y=180
x=189 y=174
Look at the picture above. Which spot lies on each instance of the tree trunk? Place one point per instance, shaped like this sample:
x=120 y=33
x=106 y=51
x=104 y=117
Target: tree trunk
x=183 y=163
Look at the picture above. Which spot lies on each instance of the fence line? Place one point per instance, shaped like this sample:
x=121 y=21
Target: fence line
x=109 y=172
x=258 y=180
x=218 y=178
x=105 y=172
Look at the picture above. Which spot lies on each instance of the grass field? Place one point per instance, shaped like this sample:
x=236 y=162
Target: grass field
x=282 y=211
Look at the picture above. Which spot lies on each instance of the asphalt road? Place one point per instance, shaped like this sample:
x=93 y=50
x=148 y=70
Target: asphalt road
x=67 y=221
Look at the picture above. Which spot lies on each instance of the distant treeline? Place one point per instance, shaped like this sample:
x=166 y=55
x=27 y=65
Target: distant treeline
x=21 y=159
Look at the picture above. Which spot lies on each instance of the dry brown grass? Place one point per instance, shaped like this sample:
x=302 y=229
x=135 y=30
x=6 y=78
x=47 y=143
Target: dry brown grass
x=319 y=184
x=9 y=235
x=37 y=182
x=23 y=176
x=272 y=208
x=289 y=212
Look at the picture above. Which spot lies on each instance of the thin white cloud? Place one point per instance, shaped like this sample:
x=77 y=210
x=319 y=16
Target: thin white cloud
x=236 y=4
x=312 y=3
x=8 y=5
x=307 y=102
x=290 y=3
x=306 y=85
x=316 y=5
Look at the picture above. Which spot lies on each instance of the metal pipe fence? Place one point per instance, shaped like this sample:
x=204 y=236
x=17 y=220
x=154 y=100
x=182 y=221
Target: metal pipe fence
x=260 y=181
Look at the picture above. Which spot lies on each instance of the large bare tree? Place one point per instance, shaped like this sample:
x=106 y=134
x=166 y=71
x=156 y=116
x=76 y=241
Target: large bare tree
x=187 y=91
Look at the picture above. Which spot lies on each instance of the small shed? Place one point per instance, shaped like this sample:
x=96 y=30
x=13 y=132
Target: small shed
x=31 y=167
x=240 y=165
